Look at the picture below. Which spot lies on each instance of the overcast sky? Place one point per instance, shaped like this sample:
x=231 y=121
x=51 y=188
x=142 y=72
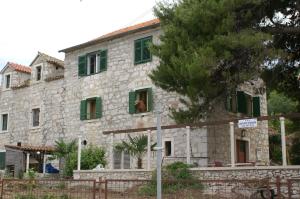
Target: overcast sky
x=29 y=26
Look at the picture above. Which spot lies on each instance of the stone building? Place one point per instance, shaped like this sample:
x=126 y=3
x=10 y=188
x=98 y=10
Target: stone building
x=103 y=85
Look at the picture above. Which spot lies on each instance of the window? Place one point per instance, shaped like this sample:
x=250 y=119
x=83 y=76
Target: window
x=4 y=122
x=141 y=50
x=91 y=108
x=38 y=73
x=140 y=101
x=121 y=160
x=35 y=117
x=92 y=63
x=2 y=160
x=168 y=148
x=241 y=102
x=7 y=81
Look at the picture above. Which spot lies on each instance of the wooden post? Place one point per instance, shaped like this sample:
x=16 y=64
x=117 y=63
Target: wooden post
x=232 y=157
x=27 y=162
x=111 y=151
x=283 y=143
x=44 y=163
x=188 y=145
x=79 y=154
x=149 y=150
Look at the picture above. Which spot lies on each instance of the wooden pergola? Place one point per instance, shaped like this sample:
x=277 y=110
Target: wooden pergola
x=188 y=126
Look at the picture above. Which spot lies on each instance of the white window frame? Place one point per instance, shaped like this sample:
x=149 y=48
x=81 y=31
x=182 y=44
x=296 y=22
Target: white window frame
x=144 y=88
x=1 y=115
x=97 y=70
x=35 y=72
x=4 y=81
x=172 y=147
x=31 y=118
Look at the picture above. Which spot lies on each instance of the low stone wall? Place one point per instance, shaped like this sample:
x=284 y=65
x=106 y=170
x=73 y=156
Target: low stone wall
x=139 y=174
x=244 y=173
x=200 y=173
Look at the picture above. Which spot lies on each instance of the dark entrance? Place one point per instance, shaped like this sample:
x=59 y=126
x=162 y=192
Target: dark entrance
x=241 y=149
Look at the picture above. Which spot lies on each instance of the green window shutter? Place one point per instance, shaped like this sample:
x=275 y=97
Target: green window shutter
x=103 y=60
x=137 y=51
x=83 y=107
x=82 y=65
x=132 y=102
x=241 y=102
x=150 y=99
x=256 y=106
x=146 y=55
x=98 y=107
x=2 y=160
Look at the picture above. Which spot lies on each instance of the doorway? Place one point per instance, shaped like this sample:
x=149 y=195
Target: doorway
x=242 y=148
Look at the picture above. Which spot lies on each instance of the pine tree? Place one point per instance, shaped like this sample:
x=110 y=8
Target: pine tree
x=207 y=48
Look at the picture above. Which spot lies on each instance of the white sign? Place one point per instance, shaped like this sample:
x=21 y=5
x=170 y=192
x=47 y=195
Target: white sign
x=248 y=123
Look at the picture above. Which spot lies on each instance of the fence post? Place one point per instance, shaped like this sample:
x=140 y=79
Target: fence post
x=268 y=188
x=289 y=184
x=278 y=186
x=105 y=191
x=2 y=185
x=94 y=190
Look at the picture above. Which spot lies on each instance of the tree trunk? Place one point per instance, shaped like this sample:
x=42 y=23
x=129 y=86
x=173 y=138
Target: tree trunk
x=139 y=163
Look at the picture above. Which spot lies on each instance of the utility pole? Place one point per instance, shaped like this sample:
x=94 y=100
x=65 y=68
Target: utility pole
x=159 y=151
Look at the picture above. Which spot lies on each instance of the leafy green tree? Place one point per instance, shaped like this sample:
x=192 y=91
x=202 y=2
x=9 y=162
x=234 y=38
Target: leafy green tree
x=64 y=151
x=136 y=147
x=207 y=49
x=67 y=151
x=281 y=18
x=279 y=103
x=91 y=156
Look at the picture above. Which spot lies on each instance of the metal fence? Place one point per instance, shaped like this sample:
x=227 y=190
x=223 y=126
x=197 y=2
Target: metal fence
x=48 y=189
x=146 y=189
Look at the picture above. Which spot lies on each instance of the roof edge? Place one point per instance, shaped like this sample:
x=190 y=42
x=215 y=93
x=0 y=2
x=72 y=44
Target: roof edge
x=103 y=39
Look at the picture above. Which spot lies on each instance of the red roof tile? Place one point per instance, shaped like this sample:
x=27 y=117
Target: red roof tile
x=116 y=34
x=19 y=67
x=130 y=28
x=32 y=148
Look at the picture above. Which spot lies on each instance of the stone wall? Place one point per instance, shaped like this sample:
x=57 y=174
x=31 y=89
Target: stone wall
x=59 y=102
x=18 y=103
x=113 y=86
x=217 y=173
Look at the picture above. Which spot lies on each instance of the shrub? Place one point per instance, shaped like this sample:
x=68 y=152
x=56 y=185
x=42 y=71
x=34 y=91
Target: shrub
x=175 y=177
x=90 y=158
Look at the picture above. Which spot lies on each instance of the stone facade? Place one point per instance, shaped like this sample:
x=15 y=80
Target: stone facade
x=59 y=103
x=19 y=102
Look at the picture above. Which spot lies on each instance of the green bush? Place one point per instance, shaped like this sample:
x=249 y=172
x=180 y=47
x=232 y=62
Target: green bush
x=175 y=177
x=90 y=158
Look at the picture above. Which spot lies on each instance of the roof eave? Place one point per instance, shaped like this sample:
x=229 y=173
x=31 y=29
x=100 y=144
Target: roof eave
x=100 y=40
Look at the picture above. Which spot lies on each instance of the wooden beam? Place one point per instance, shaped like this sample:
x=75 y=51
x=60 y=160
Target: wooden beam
x=200 y=124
